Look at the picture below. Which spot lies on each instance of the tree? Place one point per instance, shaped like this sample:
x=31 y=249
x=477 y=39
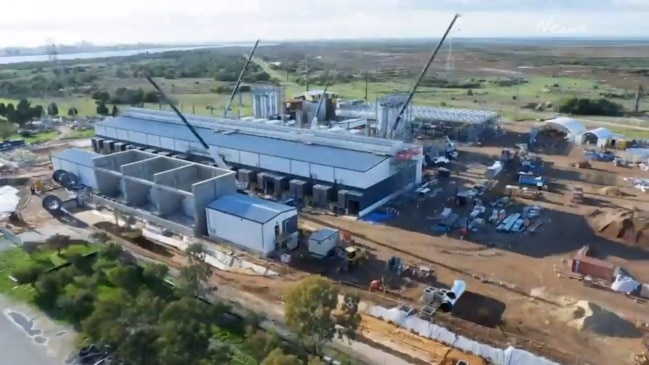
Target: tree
x=315 y=361
x=36 y=112
x=102 y=109
x=101 y=96
x=259 y=344
x=194 y=278
x=3 y=109
x=99 y=237
x=308 y=308
x=10 y=109
x=185 y=334
x=7 y=129
x=72 y=112
x=114 y=111
x=58 y=242
x=52 y=109
x=349 y=318
x=30 y=247
x=278 y=357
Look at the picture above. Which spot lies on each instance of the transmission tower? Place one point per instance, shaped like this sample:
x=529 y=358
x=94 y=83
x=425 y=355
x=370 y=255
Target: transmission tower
x=52 y=52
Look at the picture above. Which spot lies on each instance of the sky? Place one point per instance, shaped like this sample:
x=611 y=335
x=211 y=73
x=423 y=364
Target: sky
x=34 y=22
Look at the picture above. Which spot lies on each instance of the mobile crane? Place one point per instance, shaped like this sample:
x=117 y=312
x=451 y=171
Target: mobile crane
x=421 y=77
x=236 y=86
x=212 y=151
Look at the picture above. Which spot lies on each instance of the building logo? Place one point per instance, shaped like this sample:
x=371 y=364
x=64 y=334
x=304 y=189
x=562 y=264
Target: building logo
x=551 y=26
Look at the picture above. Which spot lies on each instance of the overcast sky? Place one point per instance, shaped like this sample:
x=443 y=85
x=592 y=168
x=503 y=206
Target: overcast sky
x=32 y=22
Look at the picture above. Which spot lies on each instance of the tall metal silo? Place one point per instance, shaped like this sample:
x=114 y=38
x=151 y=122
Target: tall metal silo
x=388 y=108
x=267 y=101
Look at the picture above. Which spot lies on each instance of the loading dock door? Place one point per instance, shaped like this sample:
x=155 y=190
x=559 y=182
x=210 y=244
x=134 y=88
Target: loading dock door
x=353 y=207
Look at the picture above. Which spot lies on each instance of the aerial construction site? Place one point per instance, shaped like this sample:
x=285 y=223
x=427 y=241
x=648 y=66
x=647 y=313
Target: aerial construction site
x=469 y=240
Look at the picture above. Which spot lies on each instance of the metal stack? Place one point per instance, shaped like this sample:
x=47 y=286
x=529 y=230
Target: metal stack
x=388 y=108
x=267 y=102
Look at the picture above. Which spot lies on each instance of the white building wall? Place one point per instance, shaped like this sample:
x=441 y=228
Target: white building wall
x=85 y=173
x=242 y=232
x=269 y=229
x=327 y=174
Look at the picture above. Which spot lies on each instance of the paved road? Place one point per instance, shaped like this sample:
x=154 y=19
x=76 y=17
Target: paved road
x=16 y=347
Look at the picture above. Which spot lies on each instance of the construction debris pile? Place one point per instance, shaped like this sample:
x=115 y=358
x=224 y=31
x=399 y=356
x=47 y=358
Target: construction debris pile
x=424 y=328
x=587 y=316
x=628 y=226
x=22 y=158
x=640 y=184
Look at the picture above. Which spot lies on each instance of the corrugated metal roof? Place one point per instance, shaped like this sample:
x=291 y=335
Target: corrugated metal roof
x=571 y=125
x=323 y=234
x=423 y=113
x=249 y=207
x=317 y=154
x=601 y=133
x=80 y=157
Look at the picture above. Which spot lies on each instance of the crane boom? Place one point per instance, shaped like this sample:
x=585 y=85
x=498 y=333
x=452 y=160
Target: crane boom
x=421 y=76
x=236 y=86
x=213 y=152
x=314 y=121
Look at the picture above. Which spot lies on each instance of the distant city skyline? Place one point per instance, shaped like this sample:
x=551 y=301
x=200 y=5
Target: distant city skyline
x=202 y=21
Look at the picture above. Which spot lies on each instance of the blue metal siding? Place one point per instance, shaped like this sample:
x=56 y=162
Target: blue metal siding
x=79 y=157
x=295 y=150
x=249 y=207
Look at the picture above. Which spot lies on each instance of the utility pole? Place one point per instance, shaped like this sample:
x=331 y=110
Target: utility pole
x=306 y=72
x=286 y=67
x=365 y=84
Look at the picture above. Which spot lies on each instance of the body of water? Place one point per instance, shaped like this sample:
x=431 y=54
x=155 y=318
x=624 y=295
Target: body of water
x=106 y=54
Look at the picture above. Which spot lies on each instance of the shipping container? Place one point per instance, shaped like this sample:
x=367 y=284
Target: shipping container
x=323 y=242
x=596 y=268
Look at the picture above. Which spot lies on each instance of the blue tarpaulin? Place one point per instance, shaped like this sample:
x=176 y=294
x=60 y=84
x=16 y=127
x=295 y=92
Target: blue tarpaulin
x=531 y=180
x=377 y=217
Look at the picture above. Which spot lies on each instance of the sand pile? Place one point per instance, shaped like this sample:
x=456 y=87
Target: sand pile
x=611 y=191
x=587 y=316
x=626 y=225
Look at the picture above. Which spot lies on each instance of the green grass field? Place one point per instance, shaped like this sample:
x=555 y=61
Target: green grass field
x=16 y=258
x=198 y=96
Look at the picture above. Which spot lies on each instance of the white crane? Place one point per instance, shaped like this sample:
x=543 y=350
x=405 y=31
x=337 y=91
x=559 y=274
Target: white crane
x=236 y=86
x=212 y=151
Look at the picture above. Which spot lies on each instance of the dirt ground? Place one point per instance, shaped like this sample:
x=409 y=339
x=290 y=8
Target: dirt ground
x=514 y=295
x=526 y=295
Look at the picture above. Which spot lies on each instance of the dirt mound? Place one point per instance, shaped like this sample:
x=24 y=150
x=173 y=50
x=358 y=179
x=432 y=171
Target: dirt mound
x=587 y=316
x=611 y=191
x=627 y=225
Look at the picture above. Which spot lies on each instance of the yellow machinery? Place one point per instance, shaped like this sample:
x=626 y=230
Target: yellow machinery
x=354 y=256
x=41 y=186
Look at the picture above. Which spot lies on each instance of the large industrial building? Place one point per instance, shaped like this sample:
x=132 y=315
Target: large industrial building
x=350 y=173
x=187 y=198
x=465 y=125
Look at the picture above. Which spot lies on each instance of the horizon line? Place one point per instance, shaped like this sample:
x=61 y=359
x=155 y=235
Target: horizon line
x=560 y=38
